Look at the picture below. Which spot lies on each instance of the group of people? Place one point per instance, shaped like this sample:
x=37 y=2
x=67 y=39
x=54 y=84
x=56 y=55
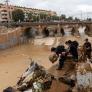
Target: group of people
x=72 y=49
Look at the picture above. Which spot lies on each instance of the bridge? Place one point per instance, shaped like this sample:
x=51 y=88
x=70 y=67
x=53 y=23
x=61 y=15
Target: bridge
x=56 y=25
x=41 y=25
x=44 y=23
x=16 y=35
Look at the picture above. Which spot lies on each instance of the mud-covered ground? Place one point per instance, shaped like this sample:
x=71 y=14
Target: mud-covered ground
x=14 y=61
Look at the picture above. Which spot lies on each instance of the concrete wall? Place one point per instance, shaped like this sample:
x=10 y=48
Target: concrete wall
x=10 y=39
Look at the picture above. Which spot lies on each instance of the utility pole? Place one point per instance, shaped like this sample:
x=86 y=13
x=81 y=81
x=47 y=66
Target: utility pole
x=81 y=16
x=86 y=14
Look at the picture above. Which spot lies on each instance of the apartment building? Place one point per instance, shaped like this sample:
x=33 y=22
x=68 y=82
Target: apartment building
x=6 y=12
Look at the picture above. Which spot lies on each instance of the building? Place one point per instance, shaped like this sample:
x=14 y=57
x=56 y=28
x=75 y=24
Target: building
x=6 y=12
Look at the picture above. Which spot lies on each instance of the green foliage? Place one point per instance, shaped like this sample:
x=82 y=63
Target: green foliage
x=18 y=15
x=30 y=15
x=89 y=19
x=43 y=16
x=76 y=19
x=35 y=18
x=70 y=18
x=63 y=17
x=55 y=17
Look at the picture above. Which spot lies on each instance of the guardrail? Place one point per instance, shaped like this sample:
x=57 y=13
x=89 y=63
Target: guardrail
x=14 y=24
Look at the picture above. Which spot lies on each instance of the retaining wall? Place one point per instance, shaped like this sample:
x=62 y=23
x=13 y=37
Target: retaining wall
x=10 y=38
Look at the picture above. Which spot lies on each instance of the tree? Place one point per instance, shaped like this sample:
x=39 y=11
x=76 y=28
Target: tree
x=63 y=17
x=43 y=16
x=89 y=19
x=55 y=17
x=30 y=16
x=35 y=18
x=18 y=15
x=77 y=19
x=70 y=18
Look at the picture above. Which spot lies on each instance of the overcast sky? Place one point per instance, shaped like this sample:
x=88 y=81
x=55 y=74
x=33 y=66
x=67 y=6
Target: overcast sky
x=69 y=7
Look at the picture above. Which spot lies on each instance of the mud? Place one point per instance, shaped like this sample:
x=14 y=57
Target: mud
x=14 y=61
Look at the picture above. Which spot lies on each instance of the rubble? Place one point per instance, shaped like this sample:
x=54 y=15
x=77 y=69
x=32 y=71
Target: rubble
x=67 y=81
x=84 y=77
x=81 y=81
x=9 y=89
x=35 y=78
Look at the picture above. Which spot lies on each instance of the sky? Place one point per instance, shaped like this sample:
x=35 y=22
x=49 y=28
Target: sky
x=78 y=8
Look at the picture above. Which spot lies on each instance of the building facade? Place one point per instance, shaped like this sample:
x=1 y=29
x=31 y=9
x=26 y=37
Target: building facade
x=6 y=12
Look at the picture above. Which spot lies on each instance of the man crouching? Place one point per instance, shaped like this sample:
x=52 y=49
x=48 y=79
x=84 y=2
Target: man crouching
x=62 y=54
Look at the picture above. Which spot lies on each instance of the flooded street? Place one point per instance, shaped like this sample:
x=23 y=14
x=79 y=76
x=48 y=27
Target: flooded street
x=14 y=61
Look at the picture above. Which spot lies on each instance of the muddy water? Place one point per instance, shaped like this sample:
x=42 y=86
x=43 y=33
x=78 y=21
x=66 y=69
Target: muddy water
x=14 y=61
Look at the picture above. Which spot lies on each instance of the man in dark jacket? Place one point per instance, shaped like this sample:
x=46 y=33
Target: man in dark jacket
x=76 y=43
x=87 y=49
x=73 y=50
x=61 y=52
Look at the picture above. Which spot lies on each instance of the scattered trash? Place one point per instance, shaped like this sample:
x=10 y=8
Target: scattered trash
x=35 y=78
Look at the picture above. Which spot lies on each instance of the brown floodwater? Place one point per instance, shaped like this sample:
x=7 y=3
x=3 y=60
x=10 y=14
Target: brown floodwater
x=14 y=61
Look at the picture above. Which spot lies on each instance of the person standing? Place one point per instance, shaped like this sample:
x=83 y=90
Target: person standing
x=73 y=50
x=87 y=49
x=55 y=32
x=62 y=59
x=45 y=32
x=62 y=31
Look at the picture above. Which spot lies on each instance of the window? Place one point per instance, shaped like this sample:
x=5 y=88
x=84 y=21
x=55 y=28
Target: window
x=5 y=18
x=4 y=10
x=4 y=14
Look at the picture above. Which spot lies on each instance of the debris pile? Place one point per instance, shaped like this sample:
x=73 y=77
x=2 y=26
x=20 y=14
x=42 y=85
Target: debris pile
x=84 y=77
x=35 y=78
x=81 y=80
